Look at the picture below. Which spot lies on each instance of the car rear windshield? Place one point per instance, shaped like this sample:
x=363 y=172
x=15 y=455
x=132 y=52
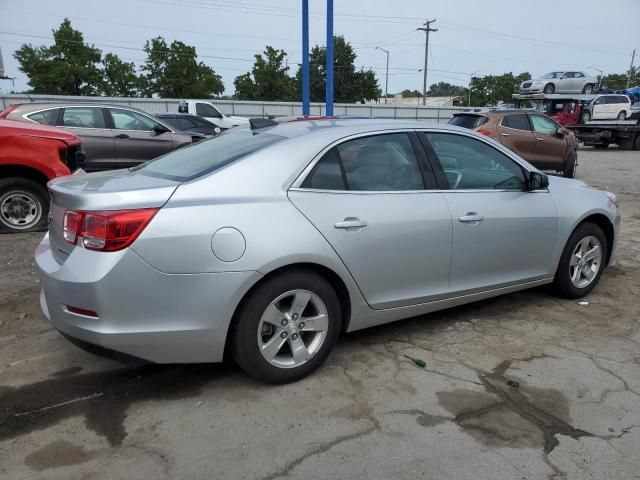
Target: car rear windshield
x=468 y=121
x=207 y=156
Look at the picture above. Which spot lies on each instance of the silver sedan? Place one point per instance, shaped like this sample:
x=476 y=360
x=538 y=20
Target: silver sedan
x=268 y=241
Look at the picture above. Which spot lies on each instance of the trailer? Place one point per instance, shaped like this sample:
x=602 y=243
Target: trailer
x=602 y=134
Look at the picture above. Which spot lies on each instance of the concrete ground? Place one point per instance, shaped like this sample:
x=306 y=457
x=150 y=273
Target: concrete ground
x=368 y=413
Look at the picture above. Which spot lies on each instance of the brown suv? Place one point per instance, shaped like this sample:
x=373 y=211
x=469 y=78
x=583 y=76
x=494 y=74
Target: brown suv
x=538 y=139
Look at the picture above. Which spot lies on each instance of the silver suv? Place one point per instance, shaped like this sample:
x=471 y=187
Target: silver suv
x=560 y=82
x=113 y=136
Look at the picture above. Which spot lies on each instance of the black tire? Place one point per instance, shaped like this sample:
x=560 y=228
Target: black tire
x=636 y=142
x=622 y=115
x=570 y=165
x=562 y=284
x=588 y=88
x=601 y=146
x=29 y=196
x=549 y=88
x=585 y=116
x=244 y=329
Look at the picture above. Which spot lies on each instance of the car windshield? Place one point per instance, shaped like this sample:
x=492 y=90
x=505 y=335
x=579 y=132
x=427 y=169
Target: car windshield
x=207 y=156
x=552 y=75
x=468 y=121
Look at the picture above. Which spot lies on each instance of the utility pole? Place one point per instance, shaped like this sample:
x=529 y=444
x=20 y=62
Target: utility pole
x=633 y=57
x=386 y=78
x=426 y=27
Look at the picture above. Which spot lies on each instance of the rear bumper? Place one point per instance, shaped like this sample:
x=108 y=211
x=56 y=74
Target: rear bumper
x=142 y=312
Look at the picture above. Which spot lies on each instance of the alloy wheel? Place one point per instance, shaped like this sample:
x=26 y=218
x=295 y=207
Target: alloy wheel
x=586 y=261
x=20 y=210
x=293 y=328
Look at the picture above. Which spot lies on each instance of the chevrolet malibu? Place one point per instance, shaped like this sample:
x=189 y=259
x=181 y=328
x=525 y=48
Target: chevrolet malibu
x=268 y=241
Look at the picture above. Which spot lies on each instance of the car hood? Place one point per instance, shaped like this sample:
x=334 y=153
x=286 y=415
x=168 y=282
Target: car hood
x=15 y=127
x=563 y=183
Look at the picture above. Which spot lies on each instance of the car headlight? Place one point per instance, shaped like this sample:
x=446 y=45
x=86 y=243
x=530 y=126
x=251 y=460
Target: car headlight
x=613 y=200
x=535 y=84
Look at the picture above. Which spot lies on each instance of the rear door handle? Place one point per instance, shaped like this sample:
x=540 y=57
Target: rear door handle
x=471 y=217
x=541 y=139
x=350 y=222
x=122 y=135
x=505 y=134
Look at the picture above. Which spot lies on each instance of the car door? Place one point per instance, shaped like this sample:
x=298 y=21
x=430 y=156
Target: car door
x=502 y=234
x=599 y=110
x=566 y=82
x=135 y=138
x=90 y=124
x=515 y=133
x=550 y=148
x=367 y=197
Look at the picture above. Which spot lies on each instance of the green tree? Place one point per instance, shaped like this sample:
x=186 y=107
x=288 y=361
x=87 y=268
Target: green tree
x=68 y=67
x=268 y=79
x=411 y=93
x=120 y=78
x=491 y=89
x=618 y=81
x=349 y=85
x=444 y=89
x=174 y=71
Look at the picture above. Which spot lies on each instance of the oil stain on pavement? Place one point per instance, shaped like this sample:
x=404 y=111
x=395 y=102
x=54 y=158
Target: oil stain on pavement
x=102 y=397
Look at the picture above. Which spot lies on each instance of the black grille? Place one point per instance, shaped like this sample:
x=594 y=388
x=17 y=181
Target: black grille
x=526 y=84
x=75 y=157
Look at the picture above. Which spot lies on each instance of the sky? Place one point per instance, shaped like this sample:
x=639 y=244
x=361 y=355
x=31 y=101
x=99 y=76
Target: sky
x=486 y=37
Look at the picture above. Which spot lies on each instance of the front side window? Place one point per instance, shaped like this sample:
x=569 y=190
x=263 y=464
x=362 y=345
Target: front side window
x=377 y=163
x=543 y=124
x=129 y=120
x=47 y=117
x=517 y=122
x=470 y=164
x=83 y=117
x=207 y=110
x=568 y=75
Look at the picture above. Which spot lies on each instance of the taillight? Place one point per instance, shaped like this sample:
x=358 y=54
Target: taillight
x=106 y=231
x=484 y=132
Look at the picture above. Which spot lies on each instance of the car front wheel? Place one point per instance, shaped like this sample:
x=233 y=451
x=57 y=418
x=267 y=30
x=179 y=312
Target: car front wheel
x=286 y=327
x=583 y=259
x=549 y=88
x=622 y=115
x=24 y=205
x=585 y=117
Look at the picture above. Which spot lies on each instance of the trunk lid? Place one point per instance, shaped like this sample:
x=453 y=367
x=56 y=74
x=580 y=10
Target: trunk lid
x=113 y=190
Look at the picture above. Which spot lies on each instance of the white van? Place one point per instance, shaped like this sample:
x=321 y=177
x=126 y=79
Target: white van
x=607 y=107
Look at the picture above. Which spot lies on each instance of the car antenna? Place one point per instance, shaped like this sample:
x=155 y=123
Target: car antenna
x=257 y=123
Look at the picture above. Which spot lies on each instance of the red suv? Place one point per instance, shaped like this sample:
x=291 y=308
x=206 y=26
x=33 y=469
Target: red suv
x=30 y=156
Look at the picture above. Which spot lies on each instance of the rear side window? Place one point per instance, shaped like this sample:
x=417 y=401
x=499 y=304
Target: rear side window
x=204 y=157
x=377 y=163
x=327 y=174
x=517 y=122
x=83 y=117
x=47 y=117
x=468 y=121
x=542 y=124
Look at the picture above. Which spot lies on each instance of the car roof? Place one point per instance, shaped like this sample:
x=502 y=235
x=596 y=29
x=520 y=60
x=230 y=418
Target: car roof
x=334 y=129
x=495 y=113
x=36 y=106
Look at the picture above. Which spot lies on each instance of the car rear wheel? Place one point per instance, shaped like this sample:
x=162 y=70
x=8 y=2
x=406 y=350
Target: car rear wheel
x=549 y=88
x=570 y=165
x=583 y=259
x=636 y=142
x=588 y=88
x=622 y=115
x=287 y=327
x=24 y=205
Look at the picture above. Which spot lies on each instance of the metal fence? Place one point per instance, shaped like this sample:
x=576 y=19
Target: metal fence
x=252 y=108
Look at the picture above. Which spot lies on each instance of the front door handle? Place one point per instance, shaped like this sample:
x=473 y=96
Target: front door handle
x=505 y=134
x=471 y=217
x=122 y=135
x=541 y=139
x=350 y=222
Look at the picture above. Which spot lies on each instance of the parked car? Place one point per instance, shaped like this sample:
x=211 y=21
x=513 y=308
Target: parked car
x=560 y=82
x=113 y=136
x=634 y=94
x=30 y=156
x=607 y=107
x=635 y=111
x=191 y=124
x=535 y=137
x=266 y=243
x=209 y=111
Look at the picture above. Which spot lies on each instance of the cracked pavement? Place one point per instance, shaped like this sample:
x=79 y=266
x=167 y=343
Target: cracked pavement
x=369 y=413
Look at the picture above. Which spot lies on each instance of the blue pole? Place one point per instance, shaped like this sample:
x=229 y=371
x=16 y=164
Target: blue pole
x=305 y=59
x=329 y=68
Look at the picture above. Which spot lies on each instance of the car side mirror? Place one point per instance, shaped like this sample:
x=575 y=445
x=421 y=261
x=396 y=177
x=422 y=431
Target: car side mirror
x=160 y=129
x=538 y=181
